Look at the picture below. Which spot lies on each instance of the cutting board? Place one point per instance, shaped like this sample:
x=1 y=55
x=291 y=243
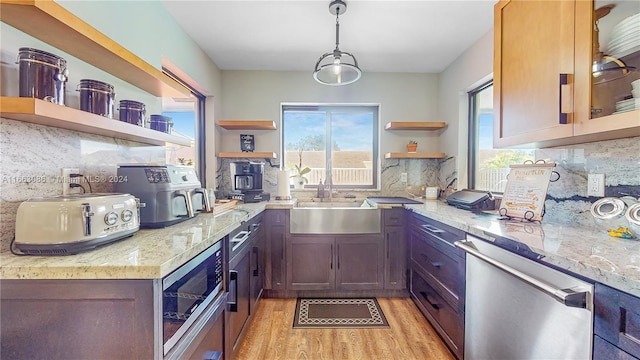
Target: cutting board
x=393 y=200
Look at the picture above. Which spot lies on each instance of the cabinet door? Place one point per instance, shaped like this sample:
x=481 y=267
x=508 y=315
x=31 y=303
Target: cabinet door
x=395 y=258
x=239 y=293
x=275 y=269
x=617 y=318
x=311 y=263
x=359 y=262
x=533 y=47
x=598 y=98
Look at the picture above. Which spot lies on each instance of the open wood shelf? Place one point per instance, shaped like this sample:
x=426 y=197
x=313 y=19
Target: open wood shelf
x=414 y=156
x=248 y=155
x=45 y=113
x=53 y=24
x=407 y=125
x=247 y=124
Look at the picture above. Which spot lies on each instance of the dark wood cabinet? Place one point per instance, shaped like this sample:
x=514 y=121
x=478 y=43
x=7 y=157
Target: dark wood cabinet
x=275 y=276
x=238 y=299
x=310 y=264
x=437 y=279
x=395 y=249
x=257 y=265
x=56 y=319
x=328 y=262
x=616 y=322
x=360 y=262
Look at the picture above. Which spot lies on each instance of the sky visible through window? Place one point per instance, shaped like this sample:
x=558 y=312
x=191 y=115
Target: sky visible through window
x=350 y=131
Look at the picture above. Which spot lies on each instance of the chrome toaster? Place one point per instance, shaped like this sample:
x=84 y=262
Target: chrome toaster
x=69 y=224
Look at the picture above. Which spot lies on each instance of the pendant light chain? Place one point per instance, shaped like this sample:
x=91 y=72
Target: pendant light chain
x=337 y=27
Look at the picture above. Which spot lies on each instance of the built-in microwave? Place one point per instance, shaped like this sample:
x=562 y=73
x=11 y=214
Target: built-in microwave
x=187 y=291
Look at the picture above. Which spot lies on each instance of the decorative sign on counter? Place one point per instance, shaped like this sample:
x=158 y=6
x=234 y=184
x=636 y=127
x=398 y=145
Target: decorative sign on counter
x=247 y=143
x=526 y=191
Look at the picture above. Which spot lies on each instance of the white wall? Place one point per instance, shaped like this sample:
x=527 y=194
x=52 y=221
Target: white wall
x=471 y=69
x=257 y=95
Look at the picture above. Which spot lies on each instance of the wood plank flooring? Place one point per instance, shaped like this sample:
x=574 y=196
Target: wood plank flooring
x=271 y=336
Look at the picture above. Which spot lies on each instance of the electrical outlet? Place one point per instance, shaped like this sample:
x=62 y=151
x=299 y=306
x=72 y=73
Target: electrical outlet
x=595 y=185
x=67 y=180
x=403 y=178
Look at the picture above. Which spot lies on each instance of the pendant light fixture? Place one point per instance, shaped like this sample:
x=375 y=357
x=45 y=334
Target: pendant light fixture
x=337 y=67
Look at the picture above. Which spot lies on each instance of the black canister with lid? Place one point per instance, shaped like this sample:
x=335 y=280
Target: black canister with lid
x=43 y=75
x=132 y=112
x=97 y=97
x=161 y=123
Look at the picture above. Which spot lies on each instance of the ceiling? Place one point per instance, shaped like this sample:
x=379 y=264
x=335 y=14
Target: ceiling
x=422 y=36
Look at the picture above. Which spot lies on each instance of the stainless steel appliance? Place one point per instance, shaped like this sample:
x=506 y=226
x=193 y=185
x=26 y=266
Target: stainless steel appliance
x=519 y=309
x=247 y=181
x=188 y=292
x=69 y=224
x=168 y=194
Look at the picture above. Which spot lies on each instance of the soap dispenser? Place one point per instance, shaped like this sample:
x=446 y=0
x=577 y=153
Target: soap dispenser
x=320 y=190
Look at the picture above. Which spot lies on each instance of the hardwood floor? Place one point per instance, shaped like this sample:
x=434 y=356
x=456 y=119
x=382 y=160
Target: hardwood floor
x=271 y=336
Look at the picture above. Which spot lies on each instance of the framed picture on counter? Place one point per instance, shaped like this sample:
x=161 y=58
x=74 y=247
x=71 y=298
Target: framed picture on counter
x=247 y=143
x=526 y=191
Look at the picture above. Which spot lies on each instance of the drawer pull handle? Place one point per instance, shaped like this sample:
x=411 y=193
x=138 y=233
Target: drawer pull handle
x=233 y=305
x=432 y=228
x=426 y=297
x=436 y=264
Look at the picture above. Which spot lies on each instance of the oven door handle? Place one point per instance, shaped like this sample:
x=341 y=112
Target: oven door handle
x=567 y=297
x=233 y=305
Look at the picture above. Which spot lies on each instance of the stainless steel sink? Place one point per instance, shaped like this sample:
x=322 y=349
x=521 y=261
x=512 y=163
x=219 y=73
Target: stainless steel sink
x=335 y=220
x=351 y=203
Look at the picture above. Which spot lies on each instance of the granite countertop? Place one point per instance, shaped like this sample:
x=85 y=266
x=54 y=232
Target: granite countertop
x=586 y=251
x=154 y=253
x=149 y=254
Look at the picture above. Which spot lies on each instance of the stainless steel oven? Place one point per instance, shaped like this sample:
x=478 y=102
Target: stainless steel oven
x=188 y=291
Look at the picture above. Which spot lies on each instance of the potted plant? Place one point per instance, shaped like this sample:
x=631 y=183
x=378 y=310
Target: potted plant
x=299 y=178
x=412 y=146
x=299 y=174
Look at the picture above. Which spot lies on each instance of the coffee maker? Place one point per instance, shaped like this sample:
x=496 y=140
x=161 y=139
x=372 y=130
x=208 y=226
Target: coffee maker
x=247 y=181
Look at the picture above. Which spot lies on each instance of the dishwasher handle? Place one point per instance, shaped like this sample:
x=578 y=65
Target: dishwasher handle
x=568 y=297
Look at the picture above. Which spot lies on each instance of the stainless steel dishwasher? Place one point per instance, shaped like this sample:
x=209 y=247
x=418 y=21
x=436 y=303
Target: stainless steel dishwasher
x=519 y=309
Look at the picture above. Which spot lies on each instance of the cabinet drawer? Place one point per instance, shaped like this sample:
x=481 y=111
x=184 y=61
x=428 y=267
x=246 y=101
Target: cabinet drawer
x=603 y=350
x=617 y=318
x=393 y=217
x=449 y=320
x=438 y=231
x=444 y=270
x=277 y=217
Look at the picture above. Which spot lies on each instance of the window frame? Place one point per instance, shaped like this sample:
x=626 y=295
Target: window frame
x=199 y=127
x=328 y=107
x=472 y=137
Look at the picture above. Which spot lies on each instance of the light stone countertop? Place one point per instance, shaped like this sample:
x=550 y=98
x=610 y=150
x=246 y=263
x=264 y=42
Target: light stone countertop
x=586 y=251
x=154 y=253
x=148 y=254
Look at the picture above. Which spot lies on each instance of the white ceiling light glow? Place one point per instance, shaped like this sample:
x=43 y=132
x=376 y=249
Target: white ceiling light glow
x=337 y=67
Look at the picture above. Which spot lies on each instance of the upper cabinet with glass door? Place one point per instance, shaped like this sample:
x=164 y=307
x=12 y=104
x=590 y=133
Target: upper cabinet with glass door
x=546 y=91
x=611 y=40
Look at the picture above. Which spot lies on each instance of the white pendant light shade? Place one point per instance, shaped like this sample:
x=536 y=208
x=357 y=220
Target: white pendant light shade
x=337 y=67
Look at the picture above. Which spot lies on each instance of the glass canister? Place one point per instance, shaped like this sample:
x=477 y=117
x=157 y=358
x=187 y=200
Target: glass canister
x=609 y=215
x=161 y=123
x=132 y=112
x=42 y=75
x=97 y=97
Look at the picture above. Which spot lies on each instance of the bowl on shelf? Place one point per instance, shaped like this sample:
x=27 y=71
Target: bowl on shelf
x=635 y=93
